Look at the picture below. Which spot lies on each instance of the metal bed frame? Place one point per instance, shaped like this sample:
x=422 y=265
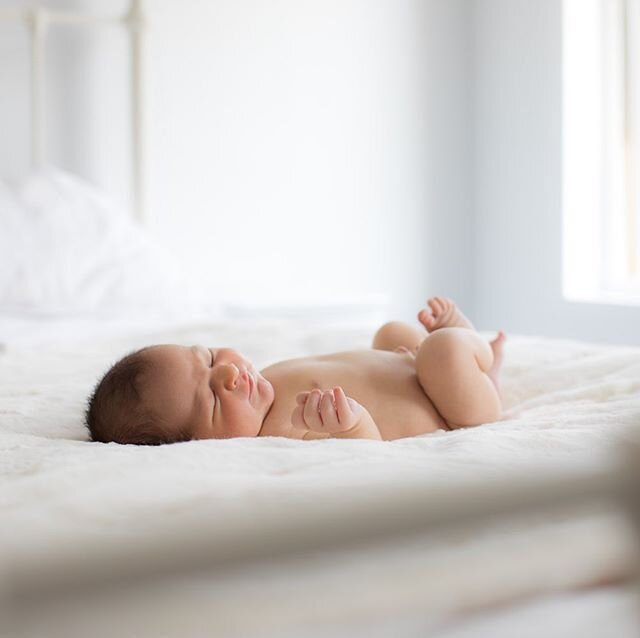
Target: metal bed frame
x=83 y=578
x=39 y=21
x=63 y=577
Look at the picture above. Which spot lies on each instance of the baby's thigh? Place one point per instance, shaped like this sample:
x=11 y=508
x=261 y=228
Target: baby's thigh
x=450 y=366
x=396 y=334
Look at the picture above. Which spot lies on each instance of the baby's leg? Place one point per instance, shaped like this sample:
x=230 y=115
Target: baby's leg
x=452 y=365
x=395 y=335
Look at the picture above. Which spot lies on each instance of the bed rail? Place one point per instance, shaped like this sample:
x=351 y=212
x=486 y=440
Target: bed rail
x=39 y=20
x=65 y=577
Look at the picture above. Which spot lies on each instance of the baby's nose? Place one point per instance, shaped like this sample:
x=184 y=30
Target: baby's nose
x=227 y=374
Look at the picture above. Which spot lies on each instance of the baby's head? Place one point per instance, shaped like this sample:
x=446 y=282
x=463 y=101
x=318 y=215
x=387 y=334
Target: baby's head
x=165 y=394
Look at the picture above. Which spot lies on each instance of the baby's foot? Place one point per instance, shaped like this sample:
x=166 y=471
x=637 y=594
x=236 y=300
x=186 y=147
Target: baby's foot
x=497 y=345
x=442 y=313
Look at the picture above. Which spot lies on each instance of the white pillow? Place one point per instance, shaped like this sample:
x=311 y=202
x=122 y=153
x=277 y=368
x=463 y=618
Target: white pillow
x=66 y=249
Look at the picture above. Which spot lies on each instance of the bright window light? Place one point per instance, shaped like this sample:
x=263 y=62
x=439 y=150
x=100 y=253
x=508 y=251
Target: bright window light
x=601 y=130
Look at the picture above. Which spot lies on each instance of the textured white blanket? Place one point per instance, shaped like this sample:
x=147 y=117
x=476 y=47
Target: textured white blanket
x=568 y=407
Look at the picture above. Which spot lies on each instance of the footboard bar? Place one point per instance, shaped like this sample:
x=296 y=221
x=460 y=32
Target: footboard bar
x=409 y=511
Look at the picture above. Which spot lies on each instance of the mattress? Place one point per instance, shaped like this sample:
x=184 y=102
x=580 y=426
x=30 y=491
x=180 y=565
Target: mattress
x=569 y=407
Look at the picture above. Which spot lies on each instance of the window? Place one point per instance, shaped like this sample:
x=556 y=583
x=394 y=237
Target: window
x=601 y=130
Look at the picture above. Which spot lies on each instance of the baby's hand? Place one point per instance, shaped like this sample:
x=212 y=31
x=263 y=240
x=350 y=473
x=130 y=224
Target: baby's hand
x=328 y=411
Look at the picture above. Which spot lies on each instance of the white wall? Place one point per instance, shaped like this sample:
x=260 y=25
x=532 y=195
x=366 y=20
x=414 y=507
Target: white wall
x=517 y=169
x=310 y=150
x=327 y=149
x=313 y=149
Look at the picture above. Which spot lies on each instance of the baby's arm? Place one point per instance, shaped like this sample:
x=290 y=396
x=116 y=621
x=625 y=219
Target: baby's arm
x=332 y=414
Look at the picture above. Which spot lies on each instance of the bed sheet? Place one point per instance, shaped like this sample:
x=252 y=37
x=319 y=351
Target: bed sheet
x=569 y=407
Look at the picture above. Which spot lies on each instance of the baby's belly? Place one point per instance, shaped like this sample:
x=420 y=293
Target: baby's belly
x=399 y=405
x=383 y=382
x=410 y=417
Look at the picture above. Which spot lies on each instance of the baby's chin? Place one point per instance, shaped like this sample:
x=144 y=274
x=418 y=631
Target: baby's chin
x=268 y=394
x=267 y=390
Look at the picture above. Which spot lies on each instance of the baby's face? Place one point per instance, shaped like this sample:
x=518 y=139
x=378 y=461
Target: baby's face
x=213 y=393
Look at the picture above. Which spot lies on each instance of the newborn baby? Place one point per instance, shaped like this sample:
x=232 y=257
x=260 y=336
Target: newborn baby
x=410 y=383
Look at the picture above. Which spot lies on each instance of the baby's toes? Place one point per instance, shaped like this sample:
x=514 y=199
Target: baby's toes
x=499 y=340
x=436 y=306
x=445 y=304
x=427 y=320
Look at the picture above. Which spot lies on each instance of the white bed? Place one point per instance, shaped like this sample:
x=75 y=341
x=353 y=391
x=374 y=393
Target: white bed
x=69 y=505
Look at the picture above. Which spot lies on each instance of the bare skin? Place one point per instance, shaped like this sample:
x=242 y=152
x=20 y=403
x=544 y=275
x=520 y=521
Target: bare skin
x=410 y=383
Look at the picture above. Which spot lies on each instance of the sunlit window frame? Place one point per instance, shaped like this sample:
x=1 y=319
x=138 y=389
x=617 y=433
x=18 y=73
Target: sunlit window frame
x=601 y=138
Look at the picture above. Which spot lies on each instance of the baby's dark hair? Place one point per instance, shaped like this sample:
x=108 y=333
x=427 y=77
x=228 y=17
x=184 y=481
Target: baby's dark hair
x=116 y=410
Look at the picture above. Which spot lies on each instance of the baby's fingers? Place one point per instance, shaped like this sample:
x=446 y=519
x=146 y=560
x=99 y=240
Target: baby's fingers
x=328 y=411
x=301 y=397
x=297 y=418
x=346 y=407
x=311 y=411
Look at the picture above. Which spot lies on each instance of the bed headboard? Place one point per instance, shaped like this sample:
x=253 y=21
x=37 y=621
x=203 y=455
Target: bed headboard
x=39 y=20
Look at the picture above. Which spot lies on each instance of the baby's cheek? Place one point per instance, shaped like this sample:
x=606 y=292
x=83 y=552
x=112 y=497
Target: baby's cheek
x=243 y=422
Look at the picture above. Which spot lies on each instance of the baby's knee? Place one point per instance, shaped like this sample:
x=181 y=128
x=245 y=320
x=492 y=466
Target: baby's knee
x=446 y=339
x=390 y=336
x=451 y=344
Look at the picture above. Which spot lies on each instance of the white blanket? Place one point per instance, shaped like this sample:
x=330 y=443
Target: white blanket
x=569 y=406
